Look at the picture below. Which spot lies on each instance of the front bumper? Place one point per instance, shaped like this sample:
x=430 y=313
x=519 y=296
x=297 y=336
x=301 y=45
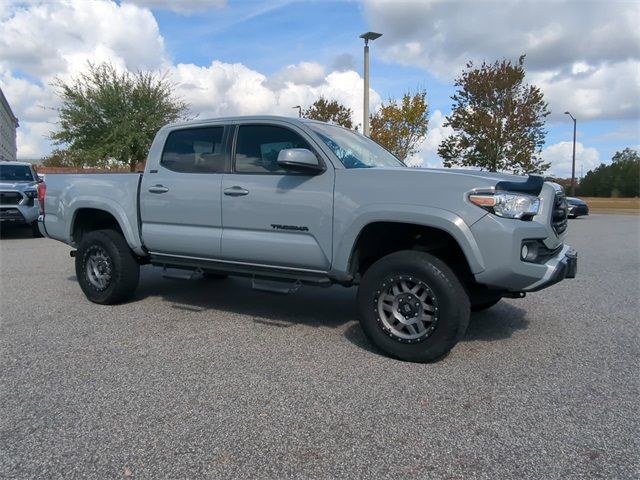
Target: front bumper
x=11 y=215
x=19 y=213
x=578 y=210
x=564 y=265
x=500 y=241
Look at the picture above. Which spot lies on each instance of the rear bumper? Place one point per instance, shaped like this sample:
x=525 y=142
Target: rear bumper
x=41 y=227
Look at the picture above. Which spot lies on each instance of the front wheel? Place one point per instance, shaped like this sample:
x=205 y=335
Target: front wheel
x=412 y=306
x=106 y=269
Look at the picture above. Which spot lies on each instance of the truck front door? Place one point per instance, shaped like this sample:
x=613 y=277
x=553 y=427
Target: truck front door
x=272 y=216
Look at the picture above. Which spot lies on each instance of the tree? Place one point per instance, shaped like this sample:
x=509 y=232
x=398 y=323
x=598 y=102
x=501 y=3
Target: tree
x=621 y=178
x=107 y=115
x=401 y=126
x=498 y=120
x=66 y=158
x=330 y=111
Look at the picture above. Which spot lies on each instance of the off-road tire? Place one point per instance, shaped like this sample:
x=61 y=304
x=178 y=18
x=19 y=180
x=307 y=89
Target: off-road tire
x=453 y=308
x=124 y=269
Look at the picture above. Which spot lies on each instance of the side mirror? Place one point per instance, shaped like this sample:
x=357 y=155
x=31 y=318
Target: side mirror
x=299 y=159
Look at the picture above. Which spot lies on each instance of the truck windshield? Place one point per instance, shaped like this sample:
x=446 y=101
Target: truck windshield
x=16 y=173
x=354 y=150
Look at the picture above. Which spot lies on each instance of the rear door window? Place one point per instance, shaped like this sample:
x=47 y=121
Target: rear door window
x=195 y=150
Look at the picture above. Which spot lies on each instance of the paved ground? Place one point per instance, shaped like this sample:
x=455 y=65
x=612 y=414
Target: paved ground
x=204 y=379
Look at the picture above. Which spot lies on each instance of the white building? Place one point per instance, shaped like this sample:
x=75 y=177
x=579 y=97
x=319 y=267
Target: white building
x=8 y=126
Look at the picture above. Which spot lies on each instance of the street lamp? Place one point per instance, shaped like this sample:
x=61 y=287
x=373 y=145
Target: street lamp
x=367 y=36
x=299 y=110
x=573 y=160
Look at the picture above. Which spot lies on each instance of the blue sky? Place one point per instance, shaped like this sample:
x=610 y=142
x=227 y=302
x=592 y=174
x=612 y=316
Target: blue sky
x=258 y=47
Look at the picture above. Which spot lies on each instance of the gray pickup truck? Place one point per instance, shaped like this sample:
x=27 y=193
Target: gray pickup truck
x=18 y=192
x=291 y=202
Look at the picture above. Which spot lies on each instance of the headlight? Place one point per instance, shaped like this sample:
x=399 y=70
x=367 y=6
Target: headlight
x=507 y=205
x=31 y=193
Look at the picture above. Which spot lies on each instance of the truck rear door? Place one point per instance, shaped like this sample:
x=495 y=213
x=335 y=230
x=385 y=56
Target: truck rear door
x=180 y=206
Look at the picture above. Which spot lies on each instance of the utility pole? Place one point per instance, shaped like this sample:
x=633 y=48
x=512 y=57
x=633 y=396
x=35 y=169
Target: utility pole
x=573 y=160
x=365 y=121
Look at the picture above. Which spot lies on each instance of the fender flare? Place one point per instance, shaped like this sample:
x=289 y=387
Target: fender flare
x=405 y=213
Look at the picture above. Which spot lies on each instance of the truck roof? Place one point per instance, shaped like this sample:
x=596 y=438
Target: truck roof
x=6 y=162
x=245 y=118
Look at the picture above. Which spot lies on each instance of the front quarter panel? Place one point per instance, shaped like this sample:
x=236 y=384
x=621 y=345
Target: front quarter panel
x=421 y=197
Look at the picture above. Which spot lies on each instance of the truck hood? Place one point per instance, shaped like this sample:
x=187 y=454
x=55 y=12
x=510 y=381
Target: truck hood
x=492 y=176
x=451 y=176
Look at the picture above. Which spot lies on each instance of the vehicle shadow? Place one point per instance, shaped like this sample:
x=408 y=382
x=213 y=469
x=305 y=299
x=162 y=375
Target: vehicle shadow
x=15 y=232
x=318 y=307
x=497 y=323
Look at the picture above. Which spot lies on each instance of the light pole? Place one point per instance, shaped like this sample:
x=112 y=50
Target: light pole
x=573 y=160
x=365 y=121
x=299 y=110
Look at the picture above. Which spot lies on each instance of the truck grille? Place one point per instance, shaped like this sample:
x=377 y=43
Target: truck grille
x=10 y=198
x=559 y=215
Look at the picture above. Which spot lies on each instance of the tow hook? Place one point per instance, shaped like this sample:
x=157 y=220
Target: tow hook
x=515 y=294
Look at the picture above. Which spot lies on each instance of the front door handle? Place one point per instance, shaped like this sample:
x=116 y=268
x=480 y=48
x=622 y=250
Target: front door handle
x=158 y=189
x=236 y=191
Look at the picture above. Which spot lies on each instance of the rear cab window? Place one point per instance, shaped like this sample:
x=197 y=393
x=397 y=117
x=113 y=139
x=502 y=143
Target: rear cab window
x=195 y=150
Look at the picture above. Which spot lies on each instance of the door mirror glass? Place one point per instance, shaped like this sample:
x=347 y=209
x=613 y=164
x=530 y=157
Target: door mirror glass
x=299 y=159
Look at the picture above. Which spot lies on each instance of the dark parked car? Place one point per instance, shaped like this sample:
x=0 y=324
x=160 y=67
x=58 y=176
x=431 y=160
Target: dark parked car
x=577 y=207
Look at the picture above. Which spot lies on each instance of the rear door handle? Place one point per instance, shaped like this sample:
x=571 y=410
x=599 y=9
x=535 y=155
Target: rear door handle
x=158 y=189
x=236 y=191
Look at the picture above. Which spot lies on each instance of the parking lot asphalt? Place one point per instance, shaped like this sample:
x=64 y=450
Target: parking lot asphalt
x=201 y=378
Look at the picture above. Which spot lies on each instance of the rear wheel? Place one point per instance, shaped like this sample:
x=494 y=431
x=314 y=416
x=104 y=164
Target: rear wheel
x=106 y=269
x=412 y=306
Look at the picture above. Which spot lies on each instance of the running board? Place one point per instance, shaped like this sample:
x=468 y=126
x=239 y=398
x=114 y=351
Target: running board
x=188 y=275
x=275 y=286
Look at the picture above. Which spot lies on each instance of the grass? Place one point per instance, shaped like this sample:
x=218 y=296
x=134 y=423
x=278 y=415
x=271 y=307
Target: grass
x=613 y=205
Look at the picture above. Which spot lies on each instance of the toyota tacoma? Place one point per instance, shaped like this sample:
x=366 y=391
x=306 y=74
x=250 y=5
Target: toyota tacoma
x=293 y=202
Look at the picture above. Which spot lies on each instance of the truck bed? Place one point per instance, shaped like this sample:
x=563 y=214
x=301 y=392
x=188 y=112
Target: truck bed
x=68 y=194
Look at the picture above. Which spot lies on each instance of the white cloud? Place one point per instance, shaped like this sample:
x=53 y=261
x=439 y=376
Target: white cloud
x=427 y=156
x=560 y=157
x=586 y=51
x=184 y=7
x=233 y=89
x=46 y=40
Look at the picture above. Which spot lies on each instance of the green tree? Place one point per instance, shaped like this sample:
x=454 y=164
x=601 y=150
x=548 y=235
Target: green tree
x=401 y=126
x=621 y=178
x=330 y=111
x=497 y=119
x=66 y=158
x=107 y=115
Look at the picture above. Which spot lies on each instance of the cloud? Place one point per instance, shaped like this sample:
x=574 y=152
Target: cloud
x=427 y=156
x=222 y=89
x=184 y=7
x=574 y=49
x=560 y=157
x=46 y=40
